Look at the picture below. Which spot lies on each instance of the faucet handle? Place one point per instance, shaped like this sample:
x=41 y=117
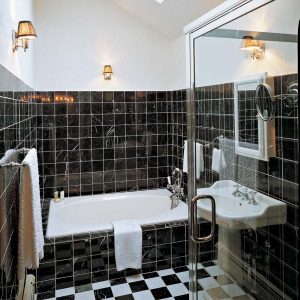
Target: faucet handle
x=237 y=186
x=245 y=190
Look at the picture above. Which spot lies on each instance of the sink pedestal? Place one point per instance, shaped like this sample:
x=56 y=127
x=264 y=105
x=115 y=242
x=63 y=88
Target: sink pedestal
x=230 y=253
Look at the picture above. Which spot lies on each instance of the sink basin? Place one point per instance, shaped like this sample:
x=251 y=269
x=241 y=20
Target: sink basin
x=235 y=213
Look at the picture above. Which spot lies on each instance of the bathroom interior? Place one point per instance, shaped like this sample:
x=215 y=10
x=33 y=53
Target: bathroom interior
x=149 y=149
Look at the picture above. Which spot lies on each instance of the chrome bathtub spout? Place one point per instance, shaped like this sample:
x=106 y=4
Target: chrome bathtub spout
x=176 y=189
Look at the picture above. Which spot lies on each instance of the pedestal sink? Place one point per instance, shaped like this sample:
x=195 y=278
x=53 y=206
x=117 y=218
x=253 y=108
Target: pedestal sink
x=235 y=213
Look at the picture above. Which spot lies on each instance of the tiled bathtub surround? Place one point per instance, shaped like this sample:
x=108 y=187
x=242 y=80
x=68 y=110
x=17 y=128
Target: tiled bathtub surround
x=273 y=249
x=102 y=142
x=17 y=130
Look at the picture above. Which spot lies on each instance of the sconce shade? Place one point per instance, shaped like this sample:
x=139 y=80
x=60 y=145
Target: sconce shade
x=107 y=72
x=26 y=30
x=107 y=69
x=250 y=44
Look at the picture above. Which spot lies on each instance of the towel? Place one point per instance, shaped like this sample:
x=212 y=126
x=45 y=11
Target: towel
x=31 y=240
x=218 y=160
x=128 y=244
x=9 y=180
x=199 y=159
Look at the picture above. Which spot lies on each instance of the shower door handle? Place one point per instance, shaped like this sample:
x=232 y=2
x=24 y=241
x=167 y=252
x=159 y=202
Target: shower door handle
x=193 y=214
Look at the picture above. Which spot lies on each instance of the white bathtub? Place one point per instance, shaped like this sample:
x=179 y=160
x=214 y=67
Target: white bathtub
x=82 y=214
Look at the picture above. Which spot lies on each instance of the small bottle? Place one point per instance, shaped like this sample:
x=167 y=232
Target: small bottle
x=169 y=180
x=56 y=199
x=62 y=195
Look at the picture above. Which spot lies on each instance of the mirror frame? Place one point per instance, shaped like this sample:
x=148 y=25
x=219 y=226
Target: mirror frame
x=262 y=127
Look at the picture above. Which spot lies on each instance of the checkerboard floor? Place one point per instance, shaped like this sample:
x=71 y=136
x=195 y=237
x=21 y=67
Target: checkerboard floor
x=213 y=284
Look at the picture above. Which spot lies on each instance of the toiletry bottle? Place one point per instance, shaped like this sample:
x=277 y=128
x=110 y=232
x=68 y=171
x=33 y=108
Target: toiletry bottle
x=56 y=199
x=62 y=195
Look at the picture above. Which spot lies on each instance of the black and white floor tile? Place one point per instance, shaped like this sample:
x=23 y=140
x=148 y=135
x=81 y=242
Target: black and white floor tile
x=168 y=284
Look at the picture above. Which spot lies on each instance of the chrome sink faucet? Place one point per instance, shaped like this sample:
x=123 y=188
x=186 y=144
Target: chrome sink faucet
x=176 y=188
x=244 y=195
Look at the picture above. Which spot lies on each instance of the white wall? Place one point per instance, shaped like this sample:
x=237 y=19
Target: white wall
x=19 y=63
x=177 y=65
x=76 y=38
x=220 y=60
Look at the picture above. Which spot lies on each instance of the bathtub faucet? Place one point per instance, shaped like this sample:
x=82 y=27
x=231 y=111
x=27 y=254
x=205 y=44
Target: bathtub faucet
x=176 y=188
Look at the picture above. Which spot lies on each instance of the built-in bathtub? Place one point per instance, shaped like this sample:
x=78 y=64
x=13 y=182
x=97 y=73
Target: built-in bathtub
x=83 y=214
x=79 y=239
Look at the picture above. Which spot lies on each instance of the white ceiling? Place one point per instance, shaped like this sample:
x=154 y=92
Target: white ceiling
x=170 y=17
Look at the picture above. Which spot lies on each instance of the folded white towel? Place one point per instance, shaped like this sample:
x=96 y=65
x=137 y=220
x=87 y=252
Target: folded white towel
x=199 y=159
x=185 y=158
x=218 y=160
x=31 y=240
x=8 y=196
x=128 y=244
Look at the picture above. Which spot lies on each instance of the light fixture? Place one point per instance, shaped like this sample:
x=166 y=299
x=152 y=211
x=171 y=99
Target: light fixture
x=160 y=1
x=25 y=33
x=107 y=72
x=256 y=48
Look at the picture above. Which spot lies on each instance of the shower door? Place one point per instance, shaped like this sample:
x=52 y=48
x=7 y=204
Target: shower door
x=233 y=254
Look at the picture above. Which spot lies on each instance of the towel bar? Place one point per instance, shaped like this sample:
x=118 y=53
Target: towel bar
x=13 y=165
x=16 y=165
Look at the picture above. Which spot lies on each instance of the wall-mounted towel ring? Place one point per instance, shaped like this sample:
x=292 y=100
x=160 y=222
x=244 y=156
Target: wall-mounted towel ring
x=291 y=98
x=213 y=143
x=265 y=102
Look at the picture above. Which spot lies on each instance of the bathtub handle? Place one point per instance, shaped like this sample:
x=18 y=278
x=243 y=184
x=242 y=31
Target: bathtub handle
x=193 y=214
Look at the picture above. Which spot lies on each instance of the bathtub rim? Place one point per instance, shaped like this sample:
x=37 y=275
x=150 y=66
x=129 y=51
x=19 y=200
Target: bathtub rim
x=108 y=228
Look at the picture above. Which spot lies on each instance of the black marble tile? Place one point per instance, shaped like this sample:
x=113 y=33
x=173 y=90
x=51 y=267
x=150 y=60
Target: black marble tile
x=201 y=273
x=64 y=268
x=103 y=293
x=65 y=282
x=138 y=286
x=170 y=279
x=82 y=265
x=161 y=293
x=64 y=250
x=69 y=297
x=45 y=286
x=182 y=297
x=117 y=281
x=83 y=282
x=46 y=271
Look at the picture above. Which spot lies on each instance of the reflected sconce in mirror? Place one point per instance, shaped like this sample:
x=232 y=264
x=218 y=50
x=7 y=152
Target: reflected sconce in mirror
x=25 y=33
x=255 y=47
x=107 y=72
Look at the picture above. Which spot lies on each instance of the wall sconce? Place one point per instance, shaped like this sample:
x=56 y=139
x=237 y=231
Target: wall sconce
x=107 y=72
x=256 y=48
x=25 y=33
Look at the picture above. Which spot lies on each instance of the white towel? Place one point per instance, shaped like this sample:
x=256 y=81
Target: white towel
x=8 y=200
x=199 y=159
x=31 y=240
x=128 y=244
x=218 y=160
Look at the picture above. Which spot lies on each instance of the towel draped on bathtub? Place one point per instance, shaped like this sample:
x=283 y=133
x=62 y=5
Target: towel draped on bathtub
x=128 y=244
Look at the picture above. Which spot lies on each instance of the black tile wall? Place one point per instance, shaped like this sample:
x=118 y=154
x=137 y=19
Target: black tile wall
x=17 y=130
x=102 y=142
x=179 y=129
x=276 y=247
